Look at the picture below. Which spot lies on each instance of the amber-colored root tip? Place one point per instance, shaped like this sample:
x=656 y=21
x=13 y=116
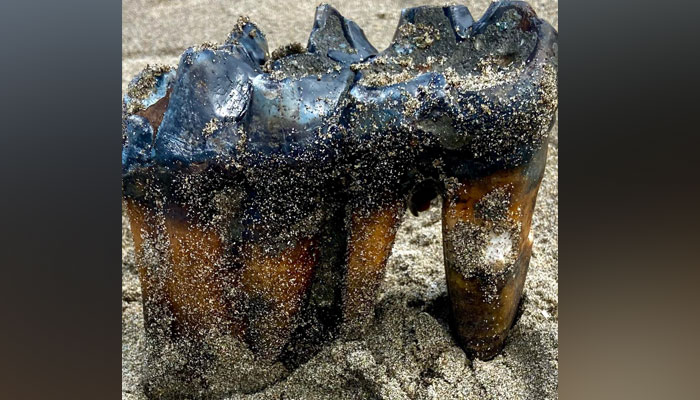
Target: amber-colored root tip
x=487 y=247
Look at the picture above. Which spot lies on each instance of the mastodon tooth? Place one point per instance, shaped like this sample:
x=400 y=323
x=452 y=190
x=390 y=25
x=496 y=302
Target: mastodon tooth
x=265 y=192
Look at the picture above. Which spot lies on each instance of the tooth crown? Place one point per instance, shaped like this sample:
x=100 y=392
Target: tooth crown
x=479 y=92
x=265 y=192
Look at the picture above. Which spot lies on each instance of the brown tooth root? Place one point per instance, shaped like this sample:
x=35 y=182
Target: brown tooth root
x=371 y=237
x=141 y=224
x=487 y=247
x=275 y=285
x=194 y=282
x=144 y=226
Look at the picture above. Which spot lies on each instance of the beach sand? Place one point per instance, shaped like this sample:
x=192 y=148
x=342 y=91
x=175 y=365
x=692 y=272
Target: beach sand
x=409 y=352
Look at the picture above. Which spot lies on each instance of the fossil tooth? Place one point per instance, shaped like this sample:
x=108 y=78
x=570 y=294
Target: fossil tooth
x=265 y=193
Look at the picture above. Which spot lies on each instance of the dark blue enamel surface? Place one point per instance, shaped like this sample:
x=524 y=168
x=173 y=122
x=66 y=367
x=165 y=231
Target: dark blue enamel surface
x=289 y=117
x=344 y=42
x=224 y=109
x=137 y=150
x=212 y=87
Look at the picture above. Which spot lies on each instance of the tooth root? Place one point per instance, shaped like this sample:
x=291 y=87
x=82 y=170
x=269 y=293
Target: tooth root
x=486 y=230
x=193 y=281
x=371 y=238
x=275 y=286
x=143 y=224
x=152 y=258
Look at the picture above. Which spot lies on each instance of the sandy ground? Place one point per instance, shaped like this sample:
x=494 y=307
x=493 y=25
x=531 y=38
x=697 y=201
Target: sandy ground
x=409 y=353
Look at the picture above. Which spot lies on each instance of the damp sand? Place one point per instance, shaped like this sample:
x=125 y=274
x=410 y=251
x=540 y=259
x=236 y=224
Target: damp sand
x=409 y=352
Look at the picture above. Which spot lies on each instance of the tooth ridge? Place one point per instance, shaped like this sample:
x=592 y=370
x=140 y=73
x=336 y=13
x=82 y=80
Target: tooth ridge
x=348 y=31
x=352 y=34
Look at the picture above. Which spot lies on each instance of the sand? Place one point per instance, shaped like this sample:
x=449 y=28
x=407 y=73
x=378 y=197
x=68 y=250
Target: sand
x=409 y=352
